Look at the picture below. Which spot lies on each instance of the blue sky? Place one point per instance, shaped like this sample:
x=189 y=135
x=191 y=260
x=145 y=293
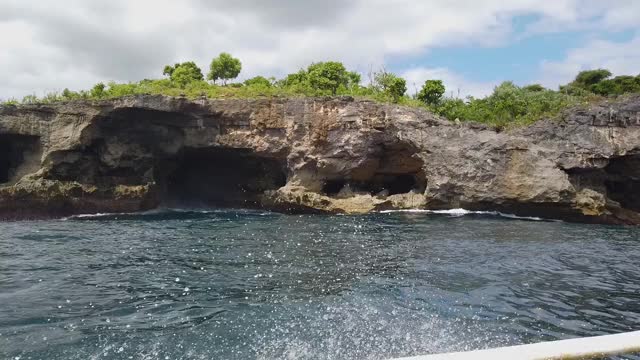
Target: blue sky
x=517 y=61
x=514 y=61
x=472 y=45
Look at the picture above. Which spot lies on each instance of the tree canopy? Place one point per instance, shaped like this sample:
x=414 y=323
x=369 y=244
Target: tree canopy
x=330 y=76
x=431 y=92
x=224 y=67
x=183 y=73
x=390 y=84
x=599 y=82
x=258 y=81
x=534 y=88
x=617 y=86
x=168 y=69
x=591 y=77
x=98 y=90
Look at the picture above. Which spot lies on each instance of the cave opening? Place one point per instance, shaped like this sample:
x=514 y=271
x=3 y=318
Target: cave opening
x=333 y=187
x=623 y=181
x=378 y=185
x=218 y=177
x=19 y=155
x=393 y=184
x=394 y=169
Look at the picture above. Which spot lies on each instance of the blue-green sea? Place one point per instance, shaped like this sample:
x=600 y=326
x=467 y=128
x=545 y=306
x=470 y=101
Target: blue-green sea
x=240 y=284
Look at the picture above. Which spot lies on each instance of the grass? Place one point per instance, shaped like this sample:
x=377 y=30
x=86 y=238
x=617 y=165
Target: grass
x=508 y=106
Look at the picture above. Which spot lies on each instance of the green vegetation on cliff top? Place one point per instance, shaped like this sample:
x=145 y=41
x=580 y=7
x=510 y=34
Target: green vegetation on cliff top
x=508 y=105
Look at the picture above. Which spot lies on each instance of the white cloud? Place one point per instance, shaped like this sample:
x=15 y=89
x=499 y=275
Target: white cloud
x=621 y=58
x=585 y=15
x=75 y=43
x=456 y=85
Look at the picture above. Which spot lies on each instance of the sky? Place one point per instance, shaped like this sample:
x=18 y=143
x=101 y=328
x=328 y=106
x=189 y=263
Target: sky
x=472 y=45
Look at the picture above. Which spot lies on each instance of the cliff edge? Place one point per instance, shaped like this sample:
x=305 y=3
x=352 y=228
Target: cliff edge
x=337 y=155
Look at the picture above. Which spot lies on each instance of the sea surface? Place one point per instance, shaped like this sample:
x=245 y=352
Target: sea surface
x=239 y=284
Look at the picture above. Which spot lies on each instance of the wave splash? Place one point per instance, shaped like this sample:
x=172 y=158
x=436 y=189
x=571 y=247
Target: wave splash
x=462 y=212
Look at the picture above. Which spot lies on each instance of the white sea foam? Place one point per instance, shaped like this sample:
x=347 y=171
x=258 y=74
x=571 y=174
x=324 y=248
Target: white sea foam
x=101 y=215
x=166 y=211
x=90 y=216
x=458 y=212
x=462 y=212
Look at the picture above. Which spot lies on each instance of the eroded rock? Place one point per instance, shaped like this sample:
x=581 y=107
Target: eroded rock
x=313 y=155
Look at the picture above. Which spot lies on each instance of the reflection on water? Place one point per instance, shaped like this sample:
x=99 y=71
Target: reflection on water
x=246 y=284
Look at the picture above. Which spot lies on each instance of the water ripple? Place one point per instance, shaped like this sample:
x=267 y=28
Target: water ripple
x=194 y=284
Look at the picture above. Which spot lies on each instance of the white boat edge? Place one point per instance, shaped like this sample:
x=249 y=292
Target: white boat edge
x=580 y=348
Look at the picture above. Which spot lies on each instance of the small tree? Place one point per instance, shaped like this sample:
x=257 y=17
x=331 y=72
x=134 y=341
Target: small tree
x=354 y=79
x=390 y=84
x=328 y=76
x=431 y=92
x=98 y=90
x=184 y=73
x=224 y=67
x=293 y=79
x=586 y=79
x=68 y=94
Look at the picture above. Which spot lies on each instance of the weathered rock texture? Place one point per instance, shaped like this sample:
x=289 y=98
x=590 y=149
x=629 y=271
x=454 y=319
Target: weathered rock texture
x=314 y=155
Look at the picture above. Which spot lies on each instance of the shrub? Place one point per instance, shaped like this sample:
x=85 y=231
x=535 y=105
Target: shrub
x=534 y=88
x=10 y=101
x=98 y=90
x=617 y=86
x=118 y=90
x=508 y=105
x=258 y=81
x=30 y=99
x=390 y=85
x=69 y=95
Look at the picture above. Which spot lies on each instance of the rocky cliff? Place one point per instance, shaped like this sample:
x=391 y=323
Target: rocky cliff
x=313 y=155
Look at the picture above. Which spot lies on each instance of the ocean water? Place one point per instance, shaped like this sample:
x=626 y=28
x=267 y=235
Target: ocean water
x=237 y=284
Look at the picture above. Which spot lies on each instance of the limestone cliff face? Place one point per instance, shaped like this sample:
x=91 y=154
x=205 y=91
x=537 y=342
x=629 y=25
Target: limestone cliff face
x=314 y=155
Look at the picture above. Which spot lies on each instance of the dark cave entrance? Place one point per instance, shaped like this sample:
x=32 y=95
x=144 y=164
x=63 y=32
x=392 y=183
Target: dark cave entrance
x=379 y=184
x=17 y=154
x=219 y=177
x=395 y=184
x=623 y=181
x=394 y=170
x=333 y=187
x=619 y=180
